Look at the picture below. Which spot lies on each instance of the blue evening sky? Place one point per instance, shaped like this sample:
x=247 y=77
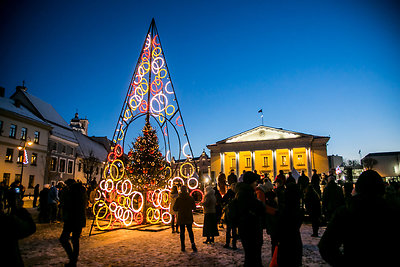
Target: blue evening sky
x=319 y=67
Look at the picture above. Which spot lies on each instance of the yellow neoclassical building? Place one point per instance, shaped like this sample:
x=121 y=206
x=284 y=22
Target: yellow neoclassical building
x=268 y=150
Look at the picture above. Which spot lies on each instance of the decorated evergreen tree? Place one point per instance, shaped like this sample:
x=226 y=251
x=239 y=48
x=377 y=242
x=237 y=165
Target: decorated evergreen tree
x=145 y=161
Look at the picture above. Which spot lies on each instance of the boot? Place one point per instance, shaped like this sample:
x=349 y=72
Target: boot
x=212 y=240
x=194 y=247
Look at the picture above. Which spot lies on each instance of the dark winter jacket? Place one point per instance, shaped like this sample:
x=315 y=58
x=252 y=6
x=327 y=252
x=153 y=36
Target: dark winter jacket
x=74 y=205
x=313 y=202
x=368 y=230
x=251 y=212
x=12 y=228
x=184 y=205
x=315 y=180
x=290 y=218
x=303 y=182
x=332 y=199
x=232 y=178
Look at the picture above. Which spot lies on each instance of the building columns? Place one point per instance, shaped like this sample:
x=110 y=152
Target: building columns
x=253 y=160
x=237 y=163
x=291 y=158
x=274 y=163
x=309 y=166
x=222 y=158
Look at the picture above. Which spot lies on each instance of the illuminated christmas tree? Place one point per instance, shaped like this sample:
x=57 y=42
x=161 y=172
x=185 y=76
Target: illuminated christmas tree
x=145 y=161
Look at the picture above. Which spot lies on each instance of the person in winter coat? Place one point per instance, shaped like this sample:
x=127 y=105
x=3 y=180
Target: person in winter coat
x=13 y=227
x=74 y=216
x=218 y=205
x=231 y=228
x=303 y=183
x=313 y=207
x=251 y=212
x=35 y=195
x=173 y=196
x=290 y=247
x=43 y=204
x=290 y=178
x=315 y=181
x=272 y=218
x=267 y=184
x=222 y=183
x=366 y=232
x=184 y=205
x=232 y=178
x=210 y=228
x=280 y=176
x=332 y=198
x=53 y=202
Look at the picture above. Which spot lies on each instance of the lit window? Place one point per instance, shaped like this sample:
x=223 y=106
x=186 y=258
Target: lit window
x=23 y=133
x=9 y=154
x=70 y=166
x=13 y=131
x=233 y=163
x=53 y=164
x=284 y=160
x=62 y=165
x=300 y=160
x=36 y=137
x=34 y=159
x=6 y=178
x=248 y=162
x=20 y=156
x=265 y=162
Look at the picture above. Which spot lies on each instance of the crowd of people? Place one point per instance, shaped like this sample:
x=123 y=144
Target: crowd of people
x=250 y=204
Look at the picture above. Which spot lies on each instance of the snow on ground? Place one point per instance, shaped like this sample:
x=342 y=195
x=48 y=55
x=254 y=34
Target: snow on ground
x=143 y=248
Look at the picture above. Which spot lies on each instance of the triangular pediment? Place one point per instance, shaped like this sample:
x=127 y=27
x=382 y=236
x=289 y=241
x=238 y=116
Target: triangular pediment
x=262 y=133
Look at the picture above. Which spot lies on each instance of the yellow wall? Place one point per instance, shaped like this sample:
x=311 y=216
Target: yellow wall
x=230 y=162
x=215 y=165
x=300 y=159
x=320 y=159
x=259 y=162
x=243 y=156
x=280 y=164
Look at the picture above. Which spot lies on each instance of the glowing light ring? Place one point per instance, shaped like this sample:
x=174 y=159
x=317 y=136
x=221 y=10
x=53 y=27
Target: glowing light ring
x=107 y=188
x=169 y=218
x=109 y=221
x=192 y=187
x=166 y=86
x=183 y=151
x=169 y=173
x=176 y=121
x=118 y=150
x=161 y=116
x=158 y=103
x=190 y=173
x=153 y=215
x=165 y=132
x=198 y=225
x=138 y=217
x=143 y=106
x=170 y=113
x=162 y=74
x=156 y=86
x=167 y=158
x=119 y=174
x=137 y=99
x=171 y=181
x=132 y=201
x=202 y=197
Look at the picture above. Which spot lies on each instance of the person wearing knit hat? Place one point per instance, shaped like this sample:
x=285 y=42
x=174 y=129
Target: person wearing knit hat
x=366 y=230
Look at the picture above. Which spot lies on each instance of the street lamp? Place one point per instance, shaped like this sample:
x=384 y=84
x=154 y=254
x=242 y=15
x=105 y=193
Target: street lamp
x=23 y=148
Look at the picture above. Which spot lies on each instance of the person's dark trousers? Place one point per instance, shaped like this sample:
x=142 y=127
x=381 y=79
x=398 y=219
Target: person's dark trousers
x=34 y=202
x=274 y=243
x=72 y=252
x=252 y=252
x=182 y=234
x=53 y=212
x=315 y=224
x=231 y=233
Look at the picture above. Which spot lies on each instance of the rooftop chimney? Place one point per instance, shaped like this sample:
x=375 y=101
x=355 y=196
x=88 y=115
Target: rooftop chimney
x=21 y=88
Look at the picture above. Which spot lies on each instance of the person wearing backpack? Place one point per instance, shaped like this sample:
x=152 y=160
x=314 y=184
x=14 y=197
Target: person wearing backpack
x=250 y=215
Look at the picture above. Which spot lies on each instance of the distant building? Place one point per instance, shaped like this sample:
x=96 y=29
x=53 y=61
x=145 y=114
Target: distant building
x=90 y=158
x=79 y=124
x=388 y=163
x=20 y=127
x=62 y=143
x=268 y=150
x=203 y=164
x=334 y=161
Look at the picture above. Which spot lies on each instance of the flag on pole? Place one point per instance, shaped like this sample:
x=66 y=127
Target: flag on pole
x=260 y=111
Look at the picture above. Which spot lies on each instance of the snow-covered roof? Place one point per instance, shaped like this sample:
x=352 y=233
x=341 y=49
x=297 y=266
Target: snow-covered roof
x=9 y=105
x=88 y=146
x=46 y=110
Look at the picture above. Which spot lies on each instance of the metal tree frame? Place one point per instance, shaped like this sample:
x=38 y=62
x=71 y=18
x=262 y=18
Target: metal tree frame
x=151 y=94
